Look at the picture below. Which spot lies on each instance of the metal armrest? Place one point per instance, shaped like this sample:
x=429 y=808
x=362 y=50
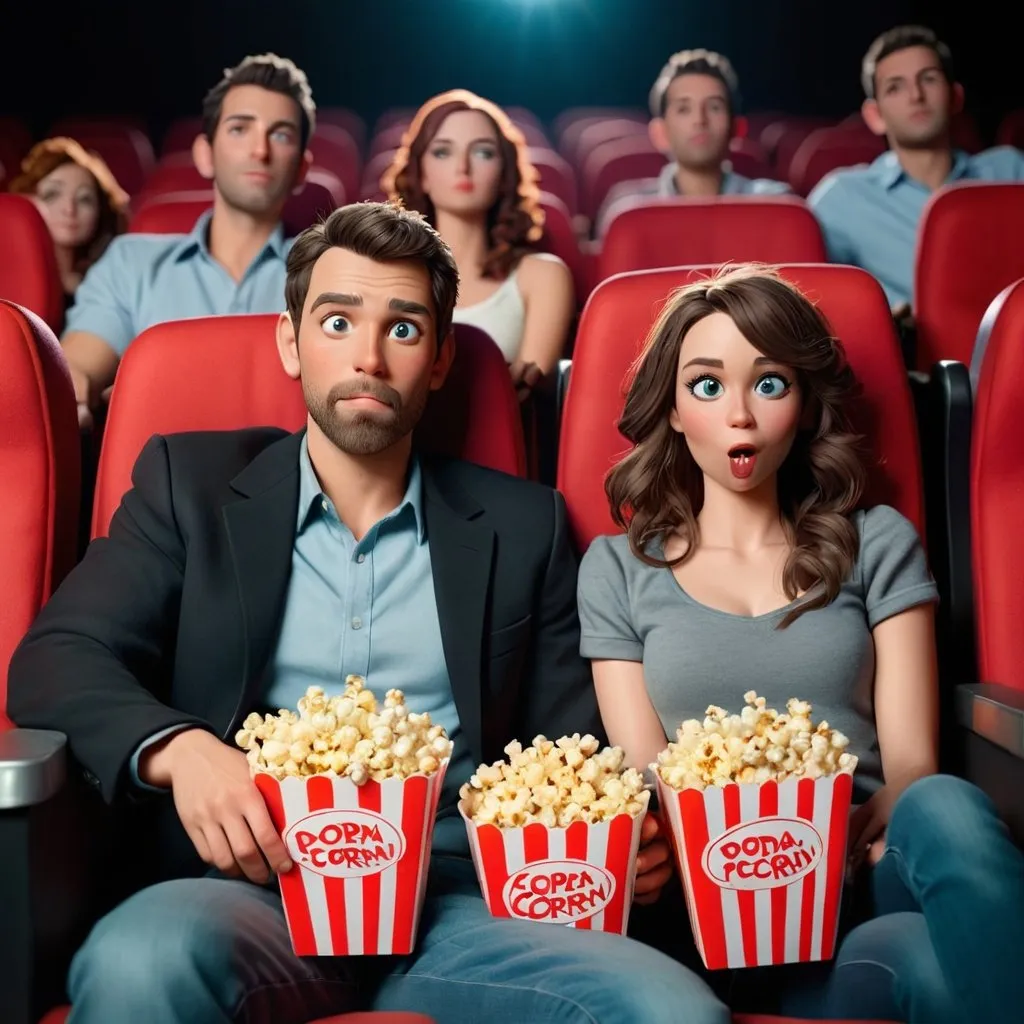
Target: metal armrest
x=992 y=729
x=33 y=767
x=993 y=712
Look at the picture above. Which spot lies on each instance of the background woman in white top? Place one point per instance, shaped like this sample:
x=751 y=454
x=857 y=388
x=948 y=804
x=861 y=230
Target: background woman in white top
x=465 y=166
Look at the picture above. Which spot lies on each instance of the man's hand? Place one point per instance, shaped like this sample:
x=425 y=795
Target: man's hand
x=218 y=803
x=83 y=387
x=653 y=863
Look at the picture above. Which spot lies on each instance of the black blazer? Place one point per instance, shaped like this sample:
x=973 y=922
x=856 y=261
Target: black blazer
x=175 y=616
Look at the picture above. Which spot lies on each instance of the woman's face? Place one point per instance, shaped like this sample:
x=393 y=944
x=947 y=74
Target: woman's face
x=462 y=167
x=738 y=410
x=68 y=198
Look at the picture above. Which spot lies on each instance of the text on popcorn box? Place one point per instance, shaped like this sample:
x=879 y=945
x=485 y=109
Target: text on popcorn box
x=763 y=854
x=345 y=842
x=558 y=891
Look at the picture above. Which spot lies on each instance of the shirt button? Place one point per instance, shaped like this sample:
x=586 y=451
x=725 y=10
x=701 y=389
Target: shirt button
x=357 y=623
x=360 y=558
x=323 y=504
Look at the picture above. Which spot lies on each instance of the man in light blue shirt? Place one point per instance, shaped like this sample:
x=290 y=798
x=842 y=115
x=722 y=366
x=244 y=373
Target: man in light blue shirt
x=870 y=214
x=256 y=123
x=694 y=115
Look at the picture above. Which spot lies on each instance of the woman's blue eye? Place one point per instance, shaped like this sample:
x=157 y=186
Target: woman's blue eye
x=404 y=330
x=705 y=388
x=772 y=385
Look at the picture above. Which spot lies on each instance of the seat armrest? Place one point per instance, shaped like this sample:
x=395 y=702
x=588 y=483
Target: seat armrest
x=33 y=767
x=993 y=712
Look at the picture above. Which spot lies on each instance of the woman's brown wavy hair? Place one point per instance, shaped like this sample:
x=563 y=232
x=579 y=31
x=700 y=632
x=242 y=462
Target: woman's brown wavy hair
x=515 y=222
x=45 y=157
x=658 y=487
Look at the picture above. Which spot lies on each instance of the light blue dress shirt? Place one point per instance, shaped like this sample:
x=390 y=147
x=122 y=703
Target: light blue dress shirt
x=365 y=608
x=143 y=280
x=870 y=214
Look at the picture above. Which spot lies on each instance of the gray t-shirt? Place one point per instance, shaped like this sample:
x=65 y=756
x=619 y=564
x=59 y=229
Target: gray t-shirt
x=694 y=655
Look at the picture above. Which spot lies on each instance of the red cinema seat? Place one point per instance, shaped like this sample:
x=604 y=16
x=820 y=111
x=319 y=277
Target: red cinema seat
x=614 y=325
x=828 y=149
x=969 y=248
x=625 y=159
x=171 y=379
x=675 y=232
x=39 y=460
x=28 y=266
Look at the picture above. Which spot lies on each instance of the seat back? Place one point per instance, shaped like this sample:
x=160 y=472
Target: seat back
x=39 y=458
x=826 y=150
x=615 y=323
x=28 y=266
x=223 y=373
x=997 y=496
x=650 y=233
x=968 y=249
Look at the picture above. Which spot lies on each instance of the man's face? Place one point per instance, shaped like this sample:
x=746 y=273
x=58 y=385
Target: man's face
x=256 y=156
x=365 y=350
x=697 y=121
x=913 y=97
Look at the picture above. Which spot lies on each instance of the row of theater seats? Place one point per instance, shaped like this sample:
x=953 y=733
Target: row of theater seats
x=963 y=493
x=968 y=249
x=594 y=148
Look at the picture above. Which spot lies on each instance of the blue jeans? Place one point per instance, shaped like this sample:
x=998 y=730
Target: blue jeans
x=214 y=951
x=946 y=940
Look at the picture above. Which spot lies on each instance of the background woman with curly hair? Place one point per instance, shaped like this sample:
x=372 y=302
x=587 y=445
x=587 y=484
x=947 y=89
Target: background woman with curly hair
x=749 y=563
x=80 y=200
x=464 y=165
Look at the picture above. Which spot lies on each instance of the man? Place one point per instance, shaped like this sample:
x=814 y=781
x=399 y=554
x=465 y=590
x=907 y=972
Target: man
x=694 y=115
x=870 y=214
x=245 y=565
x=256 y=123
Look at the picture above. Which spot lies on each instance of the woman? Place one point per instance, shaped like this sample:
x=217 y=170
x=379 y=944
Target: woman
x=80 y=200
x=464 y=165
x=747 y=563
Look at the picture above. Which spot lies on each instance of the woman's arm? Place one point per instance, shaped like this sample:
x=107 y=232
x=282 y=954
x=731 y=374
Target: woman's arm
x=546 y=286
x=906 y=715
x=627 y=712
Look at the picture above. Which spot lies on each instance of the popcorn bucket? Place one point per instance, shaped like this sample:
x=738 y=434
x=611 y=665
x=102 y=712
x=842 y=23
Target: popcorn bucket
x=361 y=855
x=581 y=876
x=762 y=867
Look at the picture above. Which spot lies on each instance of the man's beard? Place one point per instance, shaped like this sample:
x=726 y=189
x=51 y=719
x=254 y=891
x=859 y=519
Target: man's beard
x=363 y=432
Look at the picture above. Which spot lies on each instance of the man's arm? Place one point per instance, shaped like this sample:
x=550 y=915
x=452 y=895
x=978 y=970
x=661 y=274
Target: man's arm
x=100 y=324
x=833 y=213
x=89 y=664
x=560 y=697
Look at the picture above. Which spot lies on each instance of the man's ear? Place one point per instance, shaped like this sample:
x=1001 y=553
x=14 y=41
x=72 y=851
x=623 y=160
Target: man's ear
x=444 y=360
x=872 y=116
x=288 y=346
x=202 y=156
x=658 y=135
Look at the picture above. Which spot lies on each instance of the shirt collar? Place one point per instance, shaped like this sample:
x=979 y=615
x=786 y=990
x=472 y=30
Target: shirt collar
x=890 y=172
x=311 y=496
x=669 y=186
x=197 y=240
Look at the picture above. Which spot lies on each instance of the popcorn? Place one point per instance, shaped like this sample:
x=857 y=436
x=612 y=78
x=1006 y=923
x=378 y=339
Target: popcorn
x=754 y=746
x=555 y=783
x=348 y=735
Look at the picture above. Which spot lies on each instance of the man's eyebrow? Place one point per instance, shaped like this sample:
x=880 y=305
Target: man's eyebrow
x=337 y=298
x=406 y=306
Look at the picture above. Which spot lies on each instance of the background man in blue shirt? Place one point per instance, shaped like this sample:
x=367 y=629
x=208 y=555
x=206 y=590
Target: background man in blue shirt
x=245 y=564
x=869 y=214
x=256 y=123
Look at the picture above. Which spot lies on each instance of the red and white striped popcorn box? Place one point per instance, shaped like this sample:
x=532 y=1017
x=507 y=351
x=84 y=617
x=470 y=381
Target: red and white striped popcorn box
x=581 y=875
x=361 y=855
x=762 y=867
